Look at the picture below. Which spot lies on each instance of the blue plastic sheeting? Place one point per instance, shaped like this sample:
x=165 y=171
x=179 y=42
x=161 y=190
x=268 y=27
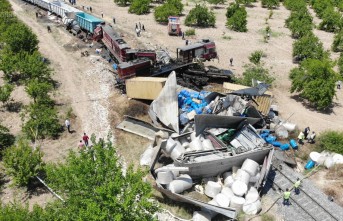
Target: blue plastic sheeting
x=276 y=143
x=264 y=135
x=265 y=131
x=293 y=144
x=270 y=139
x=284 y=146
x=310 y=164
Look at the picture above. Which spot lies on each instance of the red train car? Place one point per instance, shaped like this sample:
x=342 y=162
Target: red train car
x=205 y=50
x=139 y=67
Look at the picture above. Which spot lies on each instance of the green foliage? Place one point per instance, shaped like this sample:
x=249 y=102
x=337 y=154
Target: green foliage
x=256 y=72
x=18 y=37
x=236 y=18
x=245 y=2
x=6 y=139
x=200 y=16
x=331 y=141
x=139 y=7
x=95 y=187
x=256 y=56
x=5 y=92
x=300 y=23
x=190 y=32
x=295 y=5
x=270 y=3
x=340 y=64
x=43 y=121
x=22 y=162
x=170 y=8
x=315 y=81
x=38 y=90
x=331 y=21
x=320 y=6
x=267 y=217
x=16 y=212
x=122 y=2
x=307 y=47
x=216 y=2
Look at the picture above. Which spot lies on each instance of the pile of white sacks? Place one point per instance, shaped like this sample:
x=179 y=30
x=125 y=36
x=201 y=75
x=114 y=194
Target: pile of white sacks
x=237 y=191
x=326 y=158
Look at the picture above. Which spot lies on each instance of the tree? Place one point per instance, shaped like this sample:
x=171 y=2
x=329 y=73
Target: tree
x=38 y=90
x=256 y=57
x=331 y=21
x=236 y=18
x=295 y=5
x=256 y=72
x=340 y=64
x=315 y=81
x=6 y=139
x=200 y=16
x=307 y=47
x=170 y=8
x=245 y=2
x=270 y=3
x=42 y=121
x=9 y=65
x=5 y=92
x=300 y=23
x=22 y=162
x=139 y=7
x=18 y=37
x=216 y=2
x=337 y=44
x=320 y=6
x=331 y=141
x=122 y=2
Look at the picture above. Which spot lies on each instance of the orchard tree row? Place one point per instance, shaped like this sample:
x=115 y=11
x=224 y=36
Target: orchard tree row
x=314 y=79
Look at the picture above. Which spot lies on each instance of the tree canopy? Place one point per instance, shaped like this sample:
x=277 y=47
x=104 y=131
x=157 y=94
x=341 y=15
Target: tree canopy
x=315 y=81
x=337 y=44
x=236 y=17
x=332 y=21
x=200 y=16
x=300 y=23
x=140 y=7
x=18 y=37
x=309 y=46
x=170 y=8
x=270 y=3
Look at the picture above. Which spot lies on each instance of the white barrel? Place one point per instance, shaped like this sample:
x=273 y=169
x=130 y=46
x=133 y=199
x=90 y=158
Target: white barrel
x=239 y=188
x=252 y=195
x=252 y=208
x=226 y=174
x=165 y=177
x=243 y=176
x=250 y=167
x=201 y=216
x=328 y=162
x=177 y=151
x=212 y=189
x=196 y=144
x=207 y=144
x=237 y=202
x=168 y=148
x=228 y=181
x=175 y=172
x=178 y=143
x=289 y=126
x=227 y=192
x=181 y=184
x=254 y=179
x=337 y=158
x=321 y=160
x=234 y=170
x=314 y=156
x=222 y=200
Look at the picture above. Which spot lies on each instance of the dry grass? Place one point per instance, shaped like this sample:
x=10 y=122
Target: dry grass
x=335 y=173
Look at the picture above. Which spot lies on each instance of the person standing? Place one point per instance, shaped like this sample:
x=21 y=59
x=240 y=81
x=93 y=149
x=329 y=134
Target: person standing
x=183 y=35
x=90 y=8
x=306 y=132
x=102 y=14
x=231 y=61
x=67 y=123
x=85 y=139
x=114 y=20
x=312 y=137
x=143 y=28
x=339 y=84
x=301 y=137
x=296 y=186
x=286 y=196
x=80 y=145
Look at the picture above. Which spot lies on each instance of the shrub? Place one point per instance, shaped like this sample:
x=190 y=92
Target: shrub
x=270 y=3
x=139 y=7
x=172 y=7
x=216 y=2
x=245 y=2
x=236 y=18
x=295 y=5
x=5 y=92
x=307 y=47
x=22 y=162
x=337 y=44
x=190 y=32
x=255 y=72
x=200 y=16
x=320 y=6
x=340 y=64
x=256 y=56
x=331 y=141
x=38 y=90
x=331 y=21
x=315 y=81
x=6 y=139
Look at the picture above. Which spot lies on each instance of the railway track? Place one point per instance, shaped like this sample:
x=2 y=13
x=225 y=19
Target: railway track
x=306 y=205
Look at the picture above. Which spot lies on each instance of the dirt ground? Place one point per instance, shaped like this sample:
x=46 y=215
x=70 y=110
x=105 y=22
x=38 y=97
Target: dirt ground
x=87 y=85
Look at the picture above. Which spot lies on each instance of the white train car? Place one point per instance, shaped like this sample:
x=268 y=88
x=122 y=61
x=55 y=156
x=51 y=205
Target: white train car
x=43 y=4
x=62 y=9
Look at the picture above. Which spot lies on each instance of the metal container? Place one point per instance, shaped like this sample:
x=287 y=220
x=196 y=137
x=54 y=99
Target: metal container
x=87 y=22
x=147 y=88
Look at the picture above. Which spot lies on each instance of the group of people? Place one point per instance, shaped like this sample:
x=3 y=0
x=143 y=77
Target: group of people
x=287 y=193
x=88 y=8
x=139 y=28
x=84 y=142
x=306 y=135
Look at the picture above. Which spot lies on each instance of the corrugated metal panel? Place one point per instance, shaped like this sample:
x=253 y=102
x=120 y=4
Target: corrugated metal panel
x=263 y=101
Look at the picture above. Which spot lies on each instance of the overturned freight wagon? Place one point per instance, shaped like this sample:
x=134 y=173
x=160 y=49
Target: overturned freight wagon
x=87 y=21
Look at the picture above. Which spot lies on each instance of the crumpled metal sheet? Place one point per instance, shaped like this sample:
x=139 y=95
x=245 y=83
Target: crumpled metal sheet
x=165 y=106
